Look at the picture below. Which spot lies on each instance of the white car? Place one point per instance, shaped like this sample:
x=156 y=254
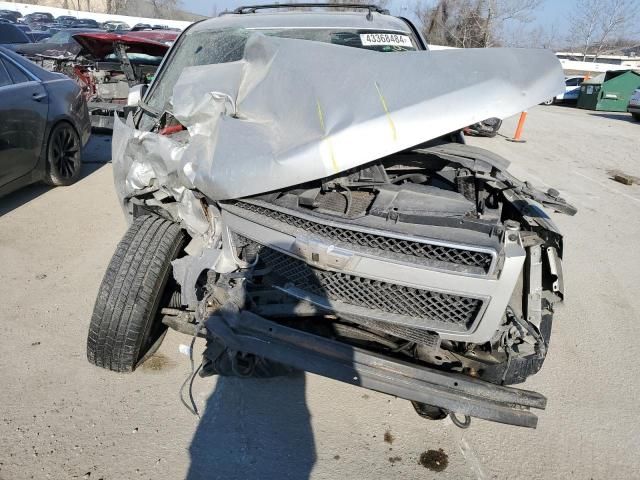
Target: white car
x=571 y=91
x=634 y=104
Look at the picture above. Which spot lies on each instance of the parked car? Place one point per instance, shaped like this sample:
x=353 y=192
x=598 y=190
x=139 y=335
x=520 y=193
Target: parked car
x=571 y=92
x=7 y=18
x=634 y=104
x=41 y=16
x=11 y=14
x=66 y=20
x=336 y=221
x=44 y=126
x=141 y=26
x=59 y=44
x=115 y=26
x=85 y=23
x=38 y=20
x=11 y=36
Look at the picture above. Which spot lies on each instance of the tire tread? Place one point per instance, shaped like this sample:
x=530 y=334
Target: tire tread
x=131 y=291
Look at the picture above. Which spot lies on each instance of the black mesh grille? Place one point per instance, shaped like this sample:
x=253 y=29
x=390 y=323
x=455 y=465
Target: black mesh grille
x=405 y=247
x=387 y=297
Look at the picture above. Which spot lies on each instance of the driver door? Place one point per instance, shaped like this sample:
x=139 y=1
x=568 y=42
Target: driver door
x=23 y=119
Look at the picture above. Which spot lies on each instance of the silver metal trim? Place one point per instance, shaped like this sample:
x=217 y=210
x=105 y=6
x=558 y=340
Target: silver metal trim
x=534 y=286
x=495 y=292
x=555 y=268
x=374 y=231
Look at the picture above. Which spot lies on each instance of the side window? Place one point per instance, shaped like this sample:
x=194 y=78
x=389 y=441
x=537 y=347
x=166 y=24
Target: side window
x=15 y=73
x=4 y=76
x=572 y=82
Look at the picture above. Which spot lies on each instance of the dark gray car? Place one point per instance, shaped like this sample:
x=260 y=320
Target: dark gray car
x=44 y=123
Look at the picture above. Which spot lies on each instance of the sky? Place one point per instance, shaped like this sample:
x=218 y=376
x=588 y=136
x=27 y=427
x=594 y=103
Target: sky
x=551 y=12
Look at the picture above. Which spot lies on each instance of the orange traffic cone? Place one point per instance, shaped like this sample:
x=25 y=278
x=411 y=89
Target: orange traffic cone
x=517 y=137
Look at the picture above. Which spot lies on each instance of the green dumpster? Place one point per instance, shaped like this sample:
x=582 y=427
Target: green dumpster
x=610 y=91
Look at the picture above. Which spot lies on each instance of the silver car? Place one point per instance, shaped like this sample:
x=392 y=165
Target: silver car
x=305 y=205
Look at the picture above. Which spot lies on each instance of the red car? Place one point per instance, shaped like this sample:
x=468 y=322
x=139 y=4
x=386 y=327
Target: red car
x=113 y=62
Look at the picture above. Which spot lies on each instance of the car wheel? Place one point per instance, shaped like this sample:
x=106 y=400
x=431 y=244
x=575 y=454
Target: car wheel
x=64 y=156
x=126 y=327
x=636 y=116
x=549 y=102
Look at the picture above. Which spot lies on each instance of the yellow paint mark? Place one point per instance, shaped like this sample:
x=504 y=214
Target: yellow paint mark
x=394 y=133
x=334 y=162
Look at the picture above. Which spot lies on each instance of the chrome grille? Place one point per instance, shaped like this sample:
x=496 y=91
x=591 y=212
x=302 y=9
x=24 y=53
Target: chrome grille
x=439 y=253
x=287 y=271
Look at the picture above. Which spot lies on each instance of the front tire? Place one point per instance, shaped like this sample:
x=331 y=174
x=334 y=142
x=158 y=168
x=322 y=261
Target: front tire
x=636 y=116
x=125 y=326
x=64 y=156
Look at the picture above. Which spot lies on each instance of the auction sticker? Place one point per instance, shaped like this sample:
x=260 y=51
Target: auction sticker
x=386 y=39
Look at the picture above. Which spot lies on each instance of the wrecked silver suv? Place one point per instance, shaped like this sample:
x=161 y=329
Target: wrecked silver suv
x=302 y=204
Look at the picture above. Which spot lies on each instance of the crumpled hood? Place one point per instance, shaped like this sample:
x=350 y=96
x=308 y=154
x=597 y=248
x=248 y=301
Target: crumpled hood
x=293 y=111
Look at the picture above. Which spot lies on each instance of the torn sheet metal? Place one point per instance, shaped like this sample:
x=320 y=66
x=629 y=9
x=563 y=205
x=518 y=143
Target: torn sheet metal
x=293 y=111
x=144 y=162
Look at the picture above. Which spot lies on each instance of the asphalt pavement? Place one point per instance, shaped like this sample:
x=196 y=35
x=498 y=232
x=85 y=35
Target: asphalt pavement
x=63 y=418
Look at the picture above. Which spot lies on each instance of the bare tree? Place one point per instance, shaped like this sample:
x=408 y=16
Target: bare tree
x=473 y=23
x=116 y=7
x=597 y=24
x=164 y=8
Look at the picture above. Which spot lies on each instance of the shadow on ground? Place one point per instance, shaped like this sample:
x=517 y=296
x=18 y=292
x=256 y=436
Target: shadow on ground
x=96 y=153
x=98 y=149
x=615 y=116
x=254 y=428
x=30 y=192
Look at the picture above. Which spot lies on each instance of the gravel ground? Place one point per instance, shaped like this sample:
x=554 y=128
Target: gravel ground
x=62 y=418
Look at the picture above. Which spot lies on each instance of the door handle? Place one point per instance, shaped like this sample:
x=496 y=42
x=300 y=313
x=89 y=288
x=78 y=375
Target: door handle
x=39 y=96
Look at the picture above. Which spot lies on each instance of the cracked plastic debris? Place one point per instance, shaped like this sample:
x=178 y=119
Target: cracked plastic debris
x=281 y=116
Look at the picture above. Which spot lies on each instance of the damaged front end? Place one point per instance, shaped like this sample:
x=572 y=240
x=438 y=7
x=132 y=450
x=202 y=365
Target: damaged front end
x=339 y=227
x=106 y=65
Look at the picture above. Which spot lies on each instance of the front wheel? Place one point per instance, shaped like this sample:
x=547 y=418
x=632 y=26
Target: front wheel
x=636 y=116
x=549 y=102
x=126 y=327
x=64 y=156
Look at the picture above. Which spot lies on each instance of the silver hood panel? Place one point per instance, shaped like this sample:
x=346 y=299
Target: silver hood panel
x=293 y=111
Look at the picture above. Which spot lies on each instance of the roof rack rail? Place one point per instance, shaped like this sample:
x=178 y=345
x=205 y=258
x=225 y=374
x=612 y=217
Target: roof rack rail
x=370 y=7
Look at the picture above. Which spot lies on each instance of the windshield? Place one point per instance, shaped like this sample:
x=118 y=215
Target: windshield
x=205 y=47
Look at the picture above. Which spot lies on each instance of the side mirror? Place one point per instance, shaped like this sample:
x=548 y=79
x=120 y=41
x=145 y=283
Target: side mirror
x=136 y=93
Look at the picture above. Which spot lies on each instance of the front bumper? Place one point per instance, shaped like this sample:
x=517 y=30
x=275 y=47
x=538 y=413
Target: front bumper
x=456 y=393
